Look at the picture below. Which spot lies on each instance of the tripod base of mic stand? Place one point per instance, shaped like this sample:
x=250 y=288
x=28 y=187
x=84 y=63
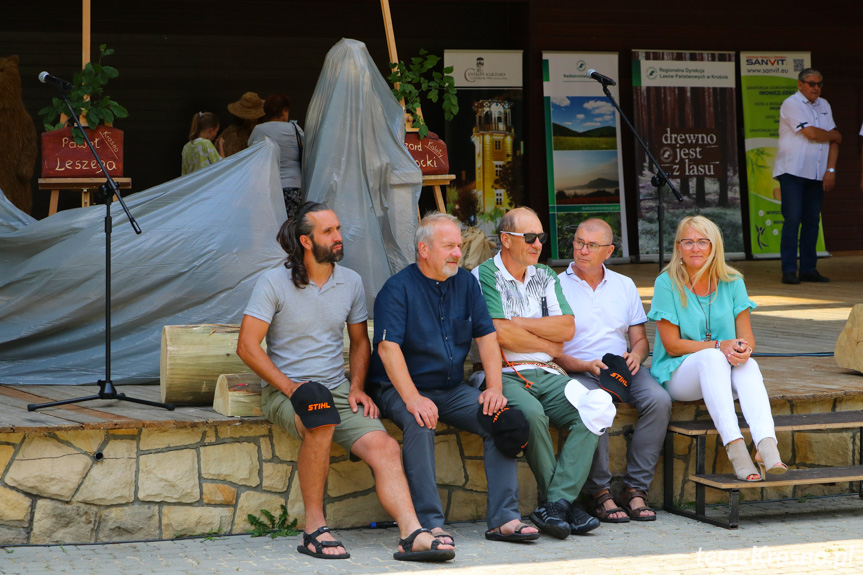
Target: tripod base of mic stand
x=106 y=391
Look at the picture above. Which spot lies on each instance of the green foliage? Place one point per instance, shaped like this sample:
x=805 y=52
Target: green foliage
x=273 y=527
x=87 y=95
x=466 y=205
x=492 y=216
x=412 y=82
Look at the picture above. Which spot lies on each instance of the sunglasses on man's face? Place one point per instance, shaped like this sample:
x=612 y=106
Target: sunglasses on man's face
x=814 y=84
x=531 y=237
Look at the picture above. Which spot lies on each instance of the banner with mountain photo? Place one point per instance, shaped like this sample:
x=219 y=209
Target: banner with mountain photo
x=582 y=133
x=766 y=80
x=685 y=109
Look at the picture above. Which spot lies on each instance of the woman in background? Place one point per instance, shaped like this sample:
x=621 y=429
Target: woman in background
x=705 y=343
x=289 y=137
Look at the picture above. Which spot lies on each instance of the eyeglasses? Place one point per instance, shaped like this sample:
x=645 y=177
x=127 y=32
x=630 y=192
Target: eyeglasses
x=592 y=246
x=702 y=244
x=531 y=237
x=814 y=84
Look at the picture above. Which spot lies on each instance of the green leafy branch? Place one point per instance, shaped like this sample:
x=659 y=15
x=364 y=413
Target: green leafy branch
x=88 y=96
x=410 y=82
x=271 y=526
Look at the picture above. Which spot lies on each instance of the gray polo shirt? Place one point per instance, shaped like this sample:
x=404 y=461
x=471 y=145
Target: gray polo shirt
x=305 y=338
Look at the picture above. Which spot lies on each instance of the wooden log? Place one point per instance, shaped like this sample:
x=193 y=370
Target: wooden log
x=192 y=359
x=849 y=346
x=238 y=395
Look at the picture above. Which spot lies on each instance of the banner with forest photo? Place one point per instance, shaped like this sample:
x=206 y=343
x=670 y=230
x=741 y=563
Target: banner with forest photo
x=685 y=109
x=582 y=134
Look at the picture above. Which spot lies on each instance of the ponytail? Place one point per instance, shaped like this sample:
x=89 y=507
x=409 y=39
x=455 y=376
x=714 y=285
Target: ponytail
x=202 y=121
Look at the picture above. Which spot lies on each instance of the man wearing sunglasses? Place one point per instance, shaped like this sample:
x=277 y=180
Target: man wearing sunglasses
x=805 y=168
x=608 y=312
x=532 y=321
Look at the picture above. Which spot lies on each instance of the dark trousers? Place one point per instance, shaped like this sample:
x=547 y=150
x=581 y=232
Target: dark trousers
x=458 y=407
x=801 y=210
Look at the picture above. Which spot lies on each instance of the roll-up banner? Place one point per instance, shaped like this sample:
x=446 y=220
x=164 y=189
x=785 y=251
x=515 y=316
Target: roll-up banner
x=685 y=108
x=485 y=140
x=766 y=80
x=582 y=134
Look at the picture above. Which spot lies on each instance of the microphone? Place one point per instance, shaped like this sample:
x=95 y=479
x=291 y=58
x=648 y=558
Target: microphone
x=604 y=80
x=59 y=83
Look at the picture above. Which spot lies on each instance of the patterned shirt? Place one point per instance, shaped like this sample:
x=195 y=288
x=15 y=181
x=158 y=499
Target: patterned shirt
x=197 y=154
x=506 y=298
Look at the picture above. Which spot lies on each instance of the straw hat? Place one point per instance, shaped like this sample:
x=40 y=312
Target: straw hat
x=249 y=107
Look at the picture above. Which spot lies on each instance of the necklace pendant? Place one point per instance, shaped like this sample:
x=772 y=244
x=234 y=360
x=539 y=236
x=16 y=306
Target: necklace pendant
x=707 y=337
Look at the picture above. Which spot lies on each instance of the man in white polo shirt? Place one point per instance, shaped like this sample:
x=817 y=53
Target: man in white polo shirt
x=608 y=310
x=805 y=168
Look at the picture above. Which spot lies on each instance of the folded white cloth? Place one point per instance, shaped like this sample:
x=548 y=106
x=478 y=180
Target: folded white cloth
x=594 y=405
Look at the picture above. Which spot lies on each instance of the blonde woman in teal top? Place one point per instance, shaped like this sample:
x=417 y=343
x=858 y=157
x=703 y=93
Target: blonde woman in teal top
x=705 y=343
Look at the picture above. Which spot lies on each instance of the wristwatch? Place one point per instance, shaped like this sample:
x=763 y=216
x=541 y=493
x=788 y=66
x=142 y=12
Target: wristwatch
x=831 y=170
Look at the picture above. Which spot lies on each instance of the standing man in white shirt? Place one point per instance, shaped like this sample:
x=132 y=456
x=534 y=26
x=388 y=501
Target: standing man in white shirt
x=805 y=168
x=608 y=312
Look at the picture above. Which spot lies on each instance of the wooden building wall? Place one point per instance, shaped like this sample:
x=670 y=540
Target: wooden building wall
x=176 y=58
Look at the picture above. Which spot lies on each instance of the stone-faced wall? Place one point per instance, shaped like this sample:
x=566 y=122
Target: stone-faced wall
x=161 y=483
x=156 y=483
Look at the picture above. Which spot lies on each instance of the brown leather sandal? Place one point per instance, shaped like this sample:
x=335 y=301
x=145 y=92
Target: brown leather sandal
x=637 y=513
x=603 y=514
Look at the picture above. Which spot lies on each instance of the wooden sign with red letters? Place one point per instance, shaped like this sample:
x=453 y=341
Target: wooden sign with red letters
x=429 y=153
x=63 y=158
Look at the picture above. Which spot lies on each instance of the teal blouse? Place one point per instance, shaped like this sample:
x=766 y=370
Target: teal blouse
x=724 y=305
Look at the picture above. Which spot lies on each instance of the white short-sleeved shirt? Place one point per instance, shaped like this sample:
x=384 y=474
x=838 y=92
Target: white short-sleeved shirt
x=796 y=154
x=602 y=316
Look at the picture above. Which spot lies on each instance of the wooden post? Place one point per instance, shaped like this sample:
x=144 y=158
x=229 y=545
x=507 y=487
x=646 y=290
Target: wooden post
x=85 y=44
x=85 y=33
x=394 y=58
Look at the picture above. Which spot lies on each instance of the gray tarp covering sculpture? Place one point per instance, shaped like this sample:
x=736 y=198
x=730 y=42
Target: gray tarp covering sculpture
x=356 y=163
x=205 y=239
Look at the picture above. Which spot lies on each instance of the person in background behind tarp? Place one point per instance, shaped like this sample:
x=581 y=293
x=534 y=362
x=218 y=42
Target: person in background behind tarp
x=302 y=309
x=199 y=152
x=806 y=168
x=608 y=311
x=289 y=136
x=249 y=109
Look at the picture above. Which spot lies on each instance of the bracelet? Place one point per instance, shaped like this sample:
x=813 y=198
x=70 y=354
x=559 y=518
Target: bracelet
x=717 y=344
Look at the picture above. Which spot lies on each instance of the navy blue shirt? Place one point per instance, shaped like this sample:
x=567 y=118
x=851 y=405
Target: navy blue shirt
x=433 y=322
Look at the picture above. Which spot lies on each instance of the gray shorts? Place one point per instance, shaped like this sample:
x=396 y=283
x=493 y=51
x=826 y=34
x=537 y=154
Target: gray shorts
x=278 y=409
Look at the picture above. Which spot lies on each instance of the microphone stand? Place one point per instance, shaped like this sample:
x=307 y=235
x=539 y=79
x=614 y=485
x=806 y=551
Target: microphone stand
x=658 y=179
x=109 y=189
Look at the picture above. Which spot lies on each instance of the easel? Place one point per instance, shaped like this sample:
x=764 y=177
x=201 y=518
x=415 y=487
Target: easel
x=435 y=182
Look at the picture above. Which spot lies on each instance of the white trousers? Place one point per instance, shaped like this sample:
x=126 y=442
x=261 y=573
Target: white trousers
x=707 y=374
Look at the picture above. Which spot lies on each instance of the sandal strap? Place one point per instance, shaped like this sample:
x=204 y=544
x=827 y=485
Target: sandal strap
x=319 y=545
x=631 y=493
x=600 y=499
x=408 y=542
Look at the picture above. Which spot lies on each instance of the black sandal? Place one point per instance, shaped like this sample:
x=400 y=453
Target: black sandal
x=516 y=536
x=636 y=514
x=320 y=545
x=433 y=554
